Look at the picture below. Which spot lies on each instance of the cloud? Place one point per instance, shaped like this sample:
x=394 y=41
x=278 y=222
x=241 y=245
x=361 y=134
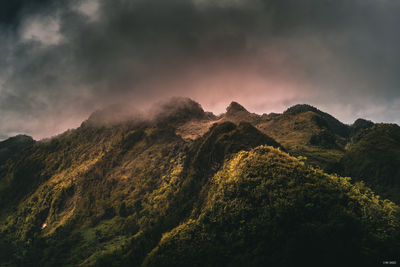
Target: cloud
x=89 y=7
x=64 y=59
x=42 y=29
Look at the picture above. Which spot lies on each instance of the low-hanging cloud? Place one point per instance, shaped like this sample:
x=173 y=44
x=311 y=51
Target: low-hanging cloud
x=61 y=60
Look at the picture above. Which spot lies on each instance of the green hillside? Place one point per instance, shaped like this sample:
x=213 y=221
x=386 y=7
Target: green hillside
x=101 y=188
x=373 y=156
x=306 y=134
x=140 y=192
x=265 y=208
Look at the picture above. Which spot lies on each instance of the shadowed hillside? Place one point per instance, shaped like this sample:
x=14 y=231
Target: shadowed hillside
x=373 y=156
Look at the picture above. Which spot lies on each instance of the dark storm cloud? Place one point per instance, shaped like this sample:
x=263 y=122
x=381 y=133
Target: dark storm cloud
x=63 y=59
x=11 y=11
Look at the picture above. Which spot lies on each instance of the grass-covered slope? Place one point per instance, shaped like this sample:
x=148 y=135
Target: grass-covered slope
x=329 y=121
x=265 y=208
x=308 y=133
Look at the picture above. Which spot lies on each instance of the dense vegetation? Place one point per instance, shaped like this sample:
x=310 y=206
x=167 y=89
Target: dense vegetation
x=134 y=192
x=373 y=155
x=265 y=208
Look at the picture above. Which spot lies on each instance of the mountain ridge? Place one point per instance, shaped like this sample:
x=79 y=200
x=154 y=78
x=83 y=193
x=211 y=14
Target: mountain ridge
x=127 y=193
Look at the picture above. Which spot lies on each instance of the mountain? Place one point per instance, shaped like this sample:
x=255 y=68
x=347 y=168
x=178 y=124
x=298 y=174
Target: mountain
x=178 y=186
x=326 y=120
x=237 y=113
x=363 y=151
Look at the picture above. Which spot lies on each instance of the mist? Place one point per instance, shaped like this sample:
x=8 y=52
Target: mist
x=62 y=60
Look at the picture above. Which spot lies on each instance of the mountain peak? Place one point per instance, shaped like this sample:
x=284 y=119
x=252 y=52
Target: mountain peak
x=235 y=107
x=14 y=146
x=180 y=110
x=300 y=108
x=362 y=124
x=237 y=113
x=17 y=140
x=331 y=122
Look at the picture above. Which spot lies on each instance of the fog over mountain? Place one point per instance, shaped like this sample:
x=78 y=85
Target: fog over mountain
x=61 y=60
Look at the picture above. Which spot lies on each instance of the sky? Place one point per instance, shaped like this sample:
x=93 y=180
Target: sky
x=62 y=59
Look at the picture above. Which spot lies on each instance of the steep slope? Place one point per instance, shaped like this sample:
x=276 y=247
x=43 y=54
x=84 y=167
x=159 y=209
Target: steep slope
x=265 y=208
x=302 y=130
x=373 y=156
x=124 y=187
x=39 y=188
